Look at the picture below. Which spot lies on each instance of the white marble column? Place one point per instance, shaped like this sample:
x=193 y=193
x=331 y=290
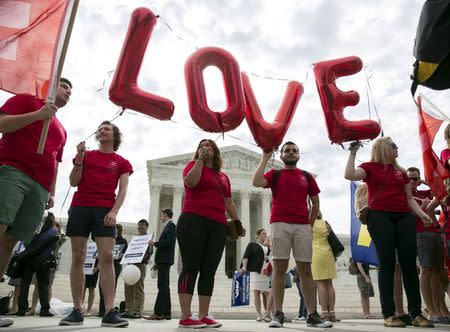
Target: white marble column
x=265 y=209
x=245 y=219
x=176 y=208
x=153 y=219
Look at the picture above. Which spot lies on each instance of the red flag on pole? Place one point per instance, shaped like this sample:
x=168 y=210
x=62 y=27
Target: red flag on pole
x=434 y=171
x=28 y=37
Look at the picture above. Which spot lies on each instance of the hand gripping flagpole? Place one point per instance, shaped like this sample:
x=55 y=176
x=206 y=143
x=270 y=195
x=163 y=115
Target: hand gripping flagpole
x=58 y=63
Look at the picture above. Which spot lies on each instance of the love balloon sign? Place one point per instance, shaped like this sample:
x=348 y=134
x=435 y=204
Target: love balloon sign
x=241 y=101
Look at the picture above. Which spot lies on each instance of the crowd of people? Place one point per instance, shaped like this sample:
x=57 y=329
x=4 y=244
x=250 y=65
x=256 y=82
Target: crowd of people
x=401 y=222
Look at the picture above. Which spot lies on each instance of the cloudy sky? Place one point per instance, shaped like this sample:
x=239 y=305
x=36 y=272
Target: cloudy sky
x=280 y=39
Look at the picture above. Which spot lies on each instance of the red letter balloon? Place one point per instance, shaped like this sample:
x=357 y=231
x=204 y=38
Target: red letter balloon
x=334 y=101
x=124 y=90
x=201 y=114
x=267 y=135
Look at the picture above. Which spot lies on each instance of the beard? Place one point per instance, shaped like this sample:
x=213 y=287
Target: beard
x=290 y=162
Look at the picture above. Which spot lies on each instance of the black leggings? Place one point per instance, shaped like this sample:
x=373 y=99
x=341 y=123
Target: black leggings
x=201 y=241
x=390 y=231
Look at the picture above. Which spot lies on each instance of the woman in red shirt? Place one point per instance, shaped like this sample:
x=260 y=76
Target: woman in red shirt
x=391 y=225
x=202 y=231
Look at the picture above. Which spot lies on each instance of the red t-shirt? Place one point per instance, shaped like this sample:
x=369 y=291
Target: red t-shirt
x=420 y=227
x=99 y=180
x=18 y=149
x=445 y=155
x=289 y=196
x=389 y=195
x=206 y=198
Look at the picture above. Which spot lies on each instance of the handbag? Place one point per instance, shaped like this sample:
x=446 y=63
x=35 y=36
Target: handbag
x=335 y=244
x=234 y=229
x=267 y=269
x=15 y=267
x=362 y=214
x=4 y=303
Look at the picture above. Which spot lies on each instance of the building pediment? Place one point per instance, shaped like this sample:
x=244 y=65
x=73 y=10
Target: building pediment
x=236 y=158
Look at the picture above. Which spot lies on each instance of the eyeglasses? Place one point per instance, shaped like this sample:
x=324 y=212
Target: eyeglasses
x=414 y=179
x=393 y=145
x=290 y=150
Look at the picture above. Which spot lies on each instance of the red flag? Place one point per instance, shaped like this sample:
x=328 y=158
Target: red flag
x=28 y=36
x=433 y=168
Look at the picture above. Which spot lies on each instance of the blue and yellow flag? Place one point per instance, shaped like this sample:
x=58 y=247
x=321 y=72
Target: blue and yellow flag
x=363 y=249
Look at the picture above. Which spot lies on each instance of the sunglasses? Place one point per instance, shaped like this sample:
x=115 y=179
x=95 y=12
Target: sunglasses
x=290 y=150
x=414 y=179
x=393 y=145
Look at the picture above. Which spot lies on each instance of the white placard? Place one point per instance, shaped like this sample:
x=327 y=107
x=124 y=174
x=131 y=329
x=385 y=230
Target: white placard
x=91 y=254
x=136 y=249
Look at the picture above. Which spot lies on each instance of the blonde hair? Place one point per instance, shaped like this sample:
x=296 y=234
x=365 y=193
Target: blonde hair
x=361 y=197
x=447 y=135
x=380 y=153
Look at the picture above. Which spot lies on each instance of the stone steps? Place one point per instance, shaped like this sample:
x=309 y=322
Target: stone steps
x=347 y=296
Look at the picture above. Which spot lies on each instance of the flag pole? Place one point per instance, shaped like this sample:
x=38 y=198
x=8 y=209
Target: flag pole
x=58 y=63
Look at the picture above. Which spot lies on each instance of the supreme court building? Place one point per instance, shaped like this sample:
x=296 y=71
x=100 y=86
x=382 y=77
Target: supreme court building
x=253 y=204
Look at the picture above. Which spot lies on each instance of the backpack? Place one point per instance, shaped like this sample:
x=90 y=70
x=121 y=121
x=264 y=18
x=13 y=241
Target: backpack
x=277 y=172
x=432 y=47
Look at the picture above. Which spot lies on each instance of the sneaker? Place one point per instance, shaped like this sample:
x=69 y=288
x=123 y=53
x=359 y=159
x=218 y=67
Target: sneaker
x=210 y=321
x=191 y=323
x=113 y=319
x=406 y=319
x=299 y=319
x=314 y=320
x=421 y=321
x=277 y=320
x=75 y=318
x=393 y=321
x=4 y=322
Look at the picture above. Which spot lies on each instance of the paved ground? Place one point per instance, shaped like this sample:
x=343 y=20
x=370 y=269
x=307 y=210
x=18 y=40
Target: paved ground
x=93 y=324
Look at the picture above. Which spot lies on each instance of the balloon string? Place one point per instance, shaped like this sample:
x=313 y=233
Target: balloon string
x=372 y=96
x=196 y=47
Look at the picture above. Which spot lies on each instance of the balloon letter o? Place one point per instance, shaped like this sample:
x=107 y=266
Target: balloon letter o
x=201 y=114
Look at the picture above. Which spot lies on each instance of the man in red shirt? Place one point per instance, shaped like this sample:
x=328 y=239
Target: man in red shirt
x=430 y=252
x=27 y=179
x=93 y=211
x=290 y=227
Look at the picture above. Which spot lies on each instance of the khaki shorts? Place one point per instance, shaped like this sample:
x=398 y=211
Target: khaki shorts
x=297 y=237
x=22 y=202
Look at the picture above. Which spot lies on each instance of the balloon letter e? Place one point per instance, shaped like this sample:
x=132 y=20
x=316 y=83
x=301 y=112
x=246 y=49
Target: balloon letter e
x=334 y=101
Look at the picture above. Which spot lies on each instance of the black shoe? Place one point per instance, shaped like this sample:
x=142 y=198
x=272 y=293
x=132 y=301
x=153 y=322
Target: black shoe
x=113 y=319
x=101 y=314
x=136 y=315
x=277 y=320
x=314 y=320
x=167 y=316
x=46 y=313
x=406 y=319
x=21 y=313
x=75 y=318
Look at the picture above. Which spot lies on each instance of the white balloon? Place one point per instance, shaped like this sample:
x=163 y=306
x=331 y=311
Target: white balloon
x=131 y=274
